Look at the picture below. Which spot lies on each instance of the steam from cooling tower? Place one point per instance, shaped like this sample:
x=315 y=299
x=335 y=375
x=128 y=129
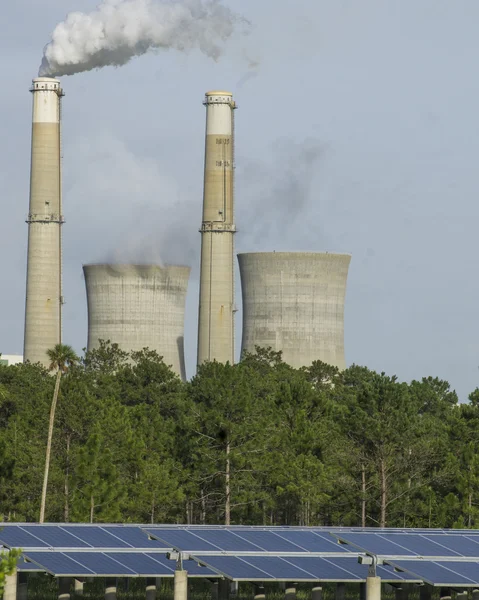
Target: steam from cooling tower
x=119 y=30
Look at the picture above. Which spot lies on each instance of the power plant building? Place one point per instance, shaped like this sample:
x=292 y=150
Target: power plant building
x=294 y=302
x=43 y=304
x=216 y=302
x=138 y=306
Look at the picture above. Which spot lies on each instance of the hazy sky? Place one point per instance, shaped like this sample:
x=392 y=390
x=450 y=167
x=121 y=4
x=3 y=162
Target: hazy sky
x=357 y=132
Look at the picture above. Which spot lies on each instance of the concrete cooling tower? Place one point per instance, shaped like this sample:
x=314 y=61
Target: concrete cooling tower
x=43 y=302
x=294 y=302
x=138 y=306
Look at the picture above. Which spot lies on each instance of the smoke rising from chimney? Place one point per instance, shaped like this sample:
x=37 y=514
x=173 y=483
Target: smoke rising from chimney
x=119 y=30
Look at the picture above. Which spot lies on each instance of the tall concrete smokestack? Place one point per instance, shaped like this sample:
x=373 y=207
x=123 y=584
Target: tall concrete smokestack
x=294 y=302
x=138 y=306
x=216 y=307
x=43 y=305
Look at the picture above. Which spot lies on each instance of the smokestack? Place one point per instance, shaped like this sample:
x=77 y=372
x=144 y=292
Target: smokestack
x=294 y=302
x=216 y=307
x=138 y=306
x=43 y=305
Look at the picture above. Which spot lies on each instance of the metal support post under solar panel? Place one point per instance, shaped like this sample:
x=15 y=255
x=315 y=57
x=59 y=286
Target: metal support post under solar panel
x=181 y=580
x=373 y=588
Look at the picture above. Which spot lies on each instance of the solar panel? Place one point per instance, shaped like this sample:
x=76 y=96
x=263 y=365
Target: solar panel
x=419 y=545
x=235 y=568
x=58 y=563
x=95 y=536
x=313 y=541
x=23 y=565
x=100 y=563
x=134 y=536
x=55 y=537
x=269 y=541
x=462 y=544
x=182 y=540
x=247 y=540
x=443 y=574
x=227 y=540
x=298 y=568
x=14 y=536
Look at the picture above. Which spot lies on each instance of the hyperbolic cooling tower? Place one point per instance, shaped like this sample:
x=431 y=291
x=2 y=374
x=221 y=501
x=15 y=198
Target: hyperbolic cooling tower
x=294 y=302
x=138 y=306
x=216 y=306
x=43 y=305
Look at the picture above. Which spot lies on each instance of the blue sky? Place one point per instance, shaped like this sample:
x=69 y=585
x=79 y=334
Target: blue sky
x=357 y=132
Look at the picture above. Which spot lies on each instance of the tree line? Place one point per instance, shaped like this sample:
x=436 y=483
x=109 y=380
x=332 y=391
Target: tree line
x=255 y=443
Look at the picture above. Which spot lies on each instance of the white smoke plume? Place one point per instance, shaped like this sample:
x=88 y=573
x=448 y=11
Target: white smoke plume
x=119 y=30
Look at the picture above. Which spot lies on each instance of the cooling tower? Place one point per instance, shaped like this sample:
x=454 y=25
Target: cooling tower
x=216 y=306
x=294 y=302
x=138 y=306
x=43 y=304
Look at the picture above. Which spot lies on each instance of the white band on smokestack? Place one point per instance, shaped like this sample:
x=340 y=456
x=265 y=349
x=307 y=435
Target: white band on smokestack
x=218 y=114
x=46 y=105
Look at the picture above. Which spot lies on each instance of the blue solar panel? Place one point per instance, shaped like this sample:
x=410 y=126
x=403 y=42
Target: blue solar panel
x=419 y=545
x=54 y=536
x=23 y=565
x=279 y=568
x=100 y=563
x=234 y=567
x=312 y=542
x=269 y=541
x=134 y=536
x=227 y=540
x=95 y=536
x=463 y=545
x=375 y=544
x=182 y=540
x=58 y=563
x=329 y=570
x=14 y=536
x=141 y=563
x=442 y=573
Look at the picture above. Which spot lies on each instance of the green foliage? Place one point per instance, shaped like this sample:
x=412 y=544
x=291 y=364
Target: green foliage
x=258 y=442
x=8 y=563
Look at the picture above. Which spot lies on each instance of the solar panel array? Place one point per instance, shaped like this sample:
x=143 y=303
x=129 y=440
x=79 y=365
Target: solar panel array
x=448 y=558
x=111 y=564
x=249 y=541
x=76 y=536
x=298 y=568
x=443 y=558
x=272 y=554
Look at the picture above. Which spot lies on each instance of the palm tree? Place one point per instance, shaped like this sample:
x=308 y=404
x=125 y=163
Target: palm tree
x=61 y=358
